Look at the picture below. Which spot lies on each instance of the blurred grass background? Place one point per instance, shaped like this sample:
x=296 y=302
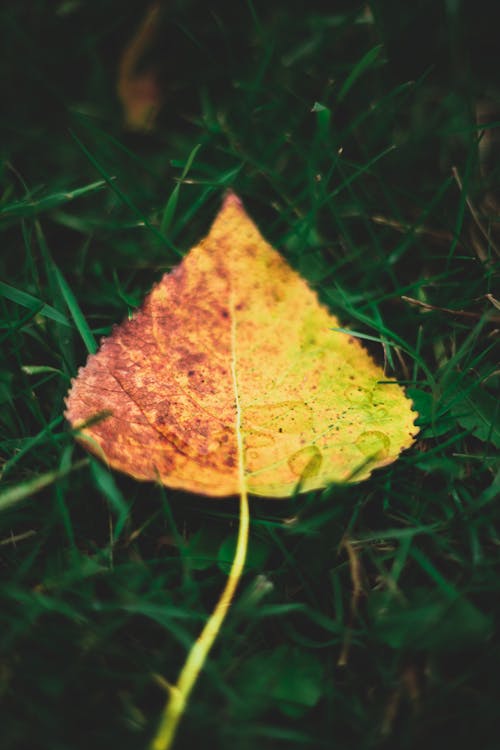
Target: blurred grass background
x=362 y=139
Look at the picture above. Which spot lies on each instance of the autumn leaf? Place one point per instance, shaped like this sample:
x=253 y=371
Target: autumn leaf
x=231 y=379
x=232 y=357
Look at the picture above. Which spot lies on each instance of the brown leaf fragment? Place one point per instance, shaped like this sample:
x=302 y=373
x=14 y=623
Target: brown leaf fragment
x=139 y=92
x=230 y=373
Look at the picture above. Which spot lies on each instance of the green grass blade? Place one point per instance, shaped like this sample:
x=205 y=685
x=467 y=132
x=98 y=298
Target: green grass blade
x=32 y=303
x=107 y=485
x=76 y=313
x=33 y=207
x=22 y=491
x=29 y=444
x=169 y=211
x=360 y=170
x=366 y=62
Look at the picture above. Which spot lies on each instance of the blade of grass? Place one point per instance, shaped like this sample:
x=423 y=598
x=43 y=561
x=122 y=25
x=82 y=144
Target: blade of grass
x=33 y=207
x=29 y=445
x=107 y=485
x=75 y=312
x=169 y=211
x=32 y=303
x=363 y=64
x=359 y=170
x=21 y=491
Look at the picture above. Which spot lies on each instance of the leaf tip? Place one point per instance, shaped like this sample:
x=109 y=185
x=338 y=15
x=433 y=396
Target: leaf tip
x=230 y=200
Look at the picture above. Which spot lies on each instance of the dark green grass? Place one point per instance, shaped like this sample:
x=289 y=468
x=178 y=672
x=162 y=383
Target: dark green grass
x=340 y=133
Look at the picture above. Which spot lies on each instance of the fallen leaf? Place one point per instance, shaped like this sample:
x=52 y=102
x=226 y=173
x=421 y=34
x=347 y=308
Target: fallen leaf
x=230 y=376
x=231 y=379
x=139 y=92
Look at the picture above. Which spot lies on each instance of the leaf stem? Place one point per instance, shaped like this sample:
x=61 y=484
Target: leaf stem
x=179 y=693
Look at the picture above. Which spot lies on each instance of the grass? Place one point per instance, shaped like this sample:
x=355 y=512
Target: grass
x=368 y=614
